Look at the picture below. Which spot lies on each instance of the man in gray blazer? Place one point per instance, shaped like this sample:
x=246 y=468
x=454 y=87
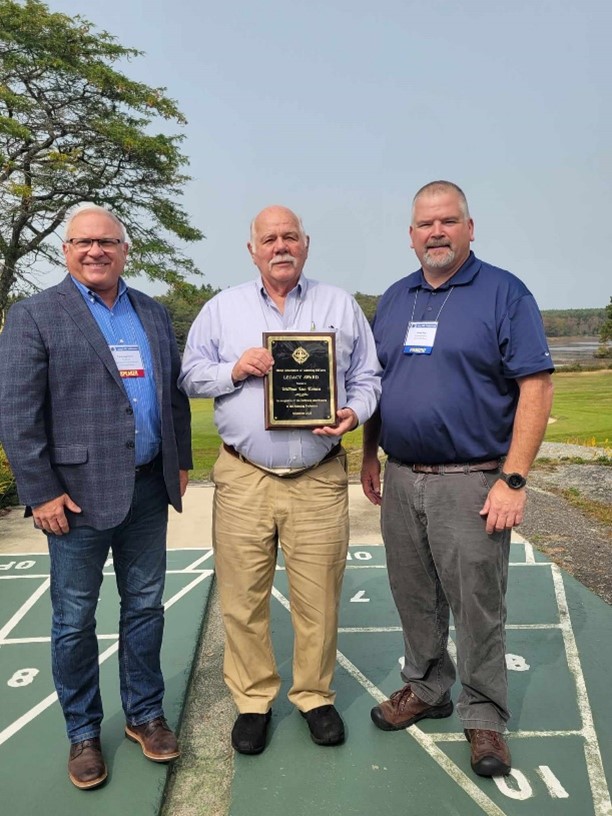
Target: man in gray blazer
x=98 y=436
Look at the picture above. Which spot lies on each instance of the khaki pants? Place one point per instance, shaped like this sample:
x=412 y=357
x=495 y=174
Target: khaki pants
x=252 y=511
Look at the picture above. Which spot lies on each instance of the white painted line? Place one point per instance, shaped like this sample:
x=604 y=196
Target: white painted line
x=24 y=575
x=24 y=609
x=529 y=553
x=30 y=715
x=280 y=568
x=105 y=572
x=512 y=734
x=22 y=641
x=595 y=769
x=533 y=626
x=529 y=564
x=198 y=561
x=425 y=741
x=181 y=593
x=350 y=630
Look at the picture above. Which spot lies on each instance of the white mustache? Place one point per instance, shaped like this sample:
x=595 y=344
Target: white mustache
x=283 y=259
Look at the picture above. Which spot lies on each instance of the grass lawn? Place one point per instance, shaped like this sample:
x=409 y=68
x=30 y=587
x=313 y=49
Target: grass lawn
x=205 y=441
x=582 y=411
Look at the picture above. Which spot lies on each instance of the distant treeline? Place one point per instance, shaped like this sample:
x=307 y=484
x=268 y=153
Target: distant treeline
x=573 y=322
x=557 y=322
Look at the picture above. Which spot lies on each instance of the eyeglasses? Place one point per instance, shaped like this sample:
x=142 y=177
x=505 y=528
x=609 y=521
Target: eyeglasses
x=87 y=243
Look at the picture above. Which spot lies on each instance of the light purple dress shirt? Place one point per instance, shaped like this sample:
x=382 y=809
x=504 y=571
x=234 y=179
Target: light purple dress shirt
x=233 y=321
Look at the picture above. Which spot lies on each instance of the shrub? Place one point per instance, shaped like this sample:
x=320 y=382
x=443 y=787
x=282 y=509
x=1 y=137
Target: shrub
x=8 y=490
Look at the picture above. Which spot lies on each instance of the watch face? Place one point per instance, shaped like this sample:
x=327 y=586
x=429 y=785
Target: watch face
x=516 y=481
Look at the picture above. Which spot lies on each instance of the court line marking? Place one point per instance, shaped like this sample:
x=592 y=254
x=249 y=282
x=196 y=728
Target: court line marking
x=592 y=753
x=594 y=764
x=24 y=608
x=281 y=568
x=106 y=572
x=516 y=626
x=424 y=740
x=30 y=715
x=192 y=567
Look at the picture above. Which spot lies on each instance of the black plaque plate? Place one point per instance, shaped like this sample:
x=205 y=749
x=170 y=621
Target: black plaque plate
x=301 y=387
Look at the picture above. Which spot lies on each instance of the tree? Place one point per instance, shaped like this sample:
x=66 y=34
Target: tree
x=368 y=304
x=605 y=334
x=184 y=301
x=74 y=129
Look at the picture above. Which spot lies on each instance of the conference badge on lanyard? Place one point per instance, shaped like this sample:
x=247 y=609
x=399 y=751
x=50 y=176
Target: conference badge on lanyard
x=420 y=337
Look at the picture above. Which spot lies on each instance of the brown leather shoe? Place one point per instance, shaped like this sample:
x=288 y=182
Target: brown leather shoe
x=404 y=708
x=86 y=766
x=156 y=739
x=490 y=753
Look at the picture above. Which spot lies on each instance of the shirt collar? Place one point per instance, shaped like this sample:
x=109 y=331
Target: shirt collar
x=464 y=275
x=300 y=288
x=87 y=292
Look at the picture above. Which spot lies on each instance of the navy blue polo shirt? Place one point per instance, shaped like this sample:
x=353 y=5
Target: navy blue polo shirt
x=457 y=404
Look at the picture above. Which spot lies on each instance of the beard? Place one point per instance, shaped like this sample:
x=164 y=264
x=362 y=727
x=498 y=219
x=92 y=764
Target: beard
x=438 y=260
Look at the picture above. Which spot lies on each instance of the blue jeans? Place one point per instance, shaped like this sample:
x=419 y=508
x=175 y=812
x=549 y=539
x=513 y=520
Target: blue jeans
x=138 y=546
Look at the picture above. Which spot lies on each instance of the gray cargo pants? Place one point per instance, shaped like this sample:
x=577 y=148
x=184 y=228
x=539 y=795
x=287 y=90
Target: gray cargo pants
x=439 y=556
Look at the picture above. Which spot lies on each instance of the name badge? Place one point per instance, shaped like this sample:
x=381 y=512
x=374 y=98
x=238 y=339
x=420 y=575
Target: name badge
x=420 y=337
x=128 y=361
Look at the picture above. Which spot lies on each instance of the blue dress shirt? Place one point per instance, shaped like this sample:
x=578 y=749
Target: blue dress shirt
x=121 y=325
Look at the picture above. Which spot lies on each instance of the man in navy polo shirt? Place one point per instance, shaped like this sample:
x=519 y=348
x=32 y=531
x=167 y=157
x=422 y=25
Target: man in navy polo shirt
x=466 y=396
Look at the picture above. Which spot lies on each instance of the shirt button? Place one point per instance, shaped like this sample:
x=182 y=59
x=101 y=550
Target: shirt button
x=129 y=445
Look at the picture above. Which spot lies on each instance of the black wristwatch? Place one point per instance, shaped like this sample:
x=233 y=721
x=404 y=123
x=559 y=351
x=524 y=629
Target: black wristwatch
x=513 y=480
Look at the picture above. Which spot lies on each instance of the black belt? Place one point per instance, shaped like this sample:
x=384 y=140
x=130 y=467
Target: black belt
x=329 y=455
x=154 y=466
x=453 y=467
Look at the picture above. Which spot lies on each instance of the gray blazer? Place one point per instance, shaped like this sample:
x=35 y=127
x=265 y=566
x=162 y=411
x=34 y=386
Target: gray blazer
x=66 y=423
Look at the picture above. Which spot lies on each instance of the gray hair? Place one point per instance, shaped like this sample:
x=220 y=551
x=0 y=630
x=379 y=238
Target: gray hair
x=301 y=229
x=88 y=207
x=441 y=186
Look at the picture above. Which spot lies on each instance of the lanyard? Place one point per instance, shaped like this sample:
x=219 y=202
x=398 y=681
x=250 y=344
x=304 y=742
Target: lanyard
x=450 y=291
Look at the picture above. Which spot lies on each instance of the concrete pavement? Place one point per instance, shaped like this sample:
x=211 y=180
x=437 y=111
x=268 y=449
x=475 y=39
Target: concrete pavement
x=189 y=529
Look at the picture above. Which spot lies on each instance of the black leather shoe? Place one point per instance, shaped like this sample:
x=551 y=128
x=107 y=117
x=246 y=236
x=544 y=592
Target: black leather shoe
x=249 y=733
x=326 y=726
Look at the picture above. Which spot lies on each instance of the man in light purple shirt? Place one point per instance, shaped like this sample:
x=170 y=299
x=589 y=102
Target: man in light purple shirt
x=279 y=485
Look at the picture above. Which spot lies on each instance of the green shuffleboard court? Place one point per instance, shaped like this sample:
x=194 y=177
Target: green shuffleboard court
x=33 y=744
x=560 y=664
x=559 y=661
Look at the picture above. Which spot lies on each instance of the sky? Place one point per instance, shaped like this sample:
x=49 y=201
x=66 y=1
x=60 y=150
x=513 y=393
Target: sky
x=342 y=109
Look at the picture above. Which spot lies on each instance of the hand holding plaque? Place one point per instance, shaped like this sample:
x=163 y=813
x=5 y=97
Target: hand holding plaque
x=300 y=390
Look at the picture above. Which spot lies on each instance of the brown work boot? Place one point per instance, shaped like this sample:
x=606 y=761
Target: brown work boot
x=404 y=708
x=156 y=739
x=490 y=753
x=86 y=766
